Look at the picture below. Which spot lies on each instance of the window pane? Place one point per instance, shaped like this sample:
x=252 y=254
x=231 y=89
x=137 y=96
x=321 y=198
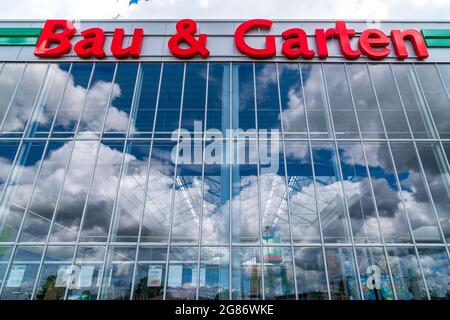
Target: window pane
x=390 y=207
x=292 y=101
x=243 y=103
x=194 y=98
x=390 y=104
x=8 y=149
x=5 y=255
x=245 y=212
x=278 y=273
x=9 y=78
x=340 y=102
x=218 y=113
x=24 y=99
x=43 y=201
x=73 y=196
x=150 y=274
x=214 y=274
x=118 y=274
x=365 y=102
x=158 y=201
x=444 y=70
x=216 y=204
x=188 y=199
x=375 y=279
x=183 y=273
x=436 y=269
x=267 y=96
x=418 y=205
x=98 y=97
x=130 y=199
x=119 y=110
x=246 y=274
x=342 y=274
x=406 y=274
x=73 y=100
x=360 y=203
x=310 y=272
x=86 y=273
x=272 y=185
x=436 y=97
x=103 y=191
x=22 y=274
x=56 y=273
x=167 y=119
x=416 y=110
x=302 y=198
x=316 y=101
x=48 y=101
x=329 y=194
x=146 y=95
x=17 y=191
x=438 y=177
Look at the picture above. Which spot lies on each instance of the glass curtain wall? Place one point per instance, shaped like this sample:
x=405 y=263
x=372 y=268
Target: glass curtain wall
x=224 y=181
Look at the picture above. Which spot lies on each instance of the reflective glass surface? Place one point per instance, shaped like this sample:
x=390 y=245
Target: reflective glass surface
x=218 y=181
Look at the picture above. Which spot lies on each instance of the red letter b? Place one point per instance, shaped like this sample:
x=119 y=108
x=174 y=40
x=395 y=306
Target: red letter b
x=49 y=36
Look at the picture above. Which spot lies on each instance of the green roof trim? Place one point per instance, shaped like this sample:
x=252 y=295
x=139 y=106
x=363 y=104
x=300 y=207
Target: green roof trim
x=18 y=41
x=438 y=43
x=19 y=36
x=20 y=32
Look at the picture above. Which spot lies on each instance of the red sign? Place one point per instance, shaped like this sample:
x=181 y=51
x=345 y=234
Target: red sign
x=55 y=41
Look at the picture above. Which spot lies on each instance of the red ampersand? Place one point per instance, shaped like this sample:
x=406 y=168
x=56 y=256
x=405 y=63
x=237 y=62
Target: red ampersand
x=186 y=30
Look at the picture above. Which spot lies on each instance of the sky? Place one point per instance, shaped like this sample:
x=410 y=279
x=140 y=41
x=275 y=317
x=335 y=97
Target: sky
x=229 y=9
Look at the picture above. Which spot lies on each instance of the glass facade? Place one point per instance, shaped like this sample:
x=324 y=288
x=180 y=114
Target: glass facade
x=243 y=180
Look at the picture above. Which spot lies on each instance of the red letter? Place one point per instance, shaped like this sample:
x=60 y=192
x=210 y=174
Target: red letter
x=321 y=41
x=344 y=36
x=244 y=48
x=134 y=50
x=49 y=36
x=398 y=38
x=92 y=44
x=296 y=44
x=371 y=39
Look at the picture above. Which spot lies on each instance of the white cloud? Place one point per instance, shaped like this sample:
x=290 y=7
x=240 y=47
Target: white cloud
x=216 y=9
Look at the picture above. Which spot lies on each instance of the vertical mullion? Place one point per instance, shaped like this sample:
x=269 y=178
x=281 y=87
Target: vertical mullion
x=230 y=177
x=260 y=238
x=200 y=225
x=133 y=281
x=340 y=174
x=397 y=179
x=372 y=192
x=286 y=182
x=175 y=175
x=322 y=242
